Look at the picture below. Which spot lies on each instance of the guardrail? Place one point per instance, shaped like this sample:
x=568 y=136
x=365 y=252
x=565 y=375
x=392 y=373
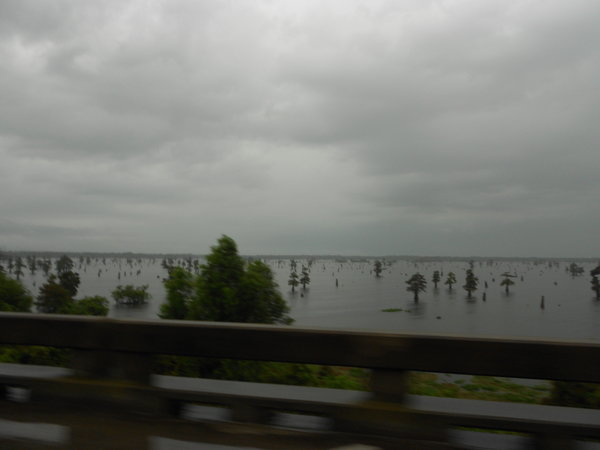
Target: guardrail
x=122 y=350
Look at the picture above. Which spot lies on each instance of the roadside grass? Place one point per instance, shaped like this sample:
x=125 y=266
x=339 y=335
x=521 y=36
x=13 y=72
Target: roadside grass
x=431 y=384
x=478 y=388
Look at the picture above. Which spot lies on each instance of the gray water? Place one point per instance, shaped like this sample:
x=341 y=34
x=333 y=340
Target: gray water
x=571 y=310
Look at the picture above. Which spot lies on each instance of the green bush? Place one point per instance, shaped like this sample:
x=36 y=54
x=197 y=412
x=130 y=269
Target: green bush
x=131 y=295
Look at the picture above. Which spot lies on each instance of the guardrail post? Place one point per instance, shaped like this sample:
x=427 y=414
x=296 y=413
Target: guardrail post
x=134 y=367
x=386 y=412
x=549 y=441
x=244 y=412
x=389 y=385
x=116 y=379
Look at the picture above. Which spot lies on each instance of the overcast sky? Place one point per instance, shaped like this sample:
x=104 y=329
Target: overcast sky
x=348 y=127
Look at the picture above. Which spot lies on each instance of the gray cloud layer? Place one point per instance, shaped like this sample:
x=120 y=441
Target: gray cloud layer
x=380 y=127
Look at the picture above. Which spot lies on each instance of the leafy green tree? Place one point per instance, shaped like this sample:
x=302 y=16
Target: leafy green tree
x=53 y=298
x=13 y=296
x=450 y=280
x=70 y=281
x=377 y=268
x=130 y=295
x=471 y=282
x=304 y=277
x=416 y=284
x=180 y=291
x=260 y=300
x=90 y=306
x=293 y=280
x=435 y=279
x=219 y=283
x=226 y=291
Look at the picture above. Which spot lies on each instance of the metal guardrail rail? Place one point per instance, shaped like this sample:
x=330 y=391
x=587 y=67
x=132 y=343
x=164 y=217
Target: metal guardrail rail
x=122 y=351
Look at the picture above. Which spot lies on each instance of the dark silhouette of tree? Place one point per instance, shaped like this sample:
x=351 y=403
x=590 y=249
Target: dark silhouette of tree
x=471 y=282
x=304 y=277
x=293 y=280
x=450 y=280
x=19 y=266
x=166 y=264
x=46 y=266
x=53 y=298
x=378 y=268
x=436 y=278
x=416 y=284
x=64 y=264
x=595 y=272
x=70 y=281
x=575 y=270
x=32 y=264
x=507 y=282
x=596 y=286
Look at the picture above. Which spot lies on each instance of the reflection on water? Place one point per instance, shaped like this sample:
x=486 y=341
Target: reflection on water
x=418 y=309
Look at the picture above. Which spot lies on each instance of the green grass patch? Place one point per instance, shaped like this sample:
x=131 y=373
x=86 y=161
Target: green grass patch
x=478 y=388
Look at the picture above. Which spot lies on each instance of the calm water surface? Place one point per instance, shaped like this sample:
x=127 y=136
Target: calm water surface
x=570 y=312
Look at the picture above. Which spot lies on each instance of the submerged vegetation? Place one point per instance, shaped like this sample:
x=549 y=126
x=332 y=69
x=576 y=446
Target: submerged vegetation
x=416 y=284
x=471 y=282
x=131 y=295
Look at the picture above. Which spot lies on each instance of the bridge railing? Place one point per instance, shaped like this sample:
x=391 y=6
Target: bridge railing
x=123 y=350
